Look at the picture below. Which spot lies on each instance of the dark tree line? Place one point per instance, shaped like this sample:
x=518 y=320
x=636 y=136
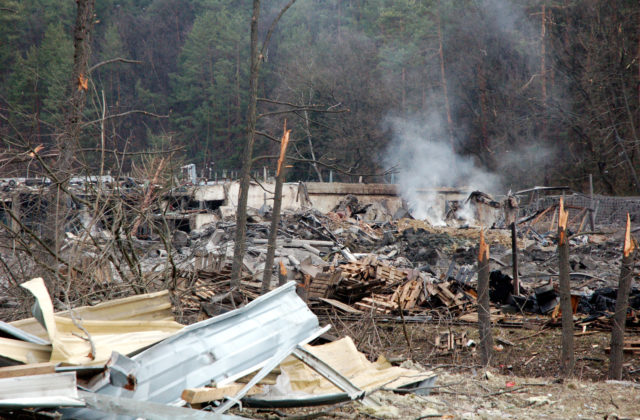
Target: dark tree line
x=542 y=91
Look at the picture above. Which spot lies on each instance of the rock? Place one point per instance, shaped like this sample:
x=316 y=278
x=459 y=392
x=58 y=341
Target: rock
x=180 y=239
x=539 y=400
x=385 y=411
x=227 y=212
x=430 y=412
x=401 y=213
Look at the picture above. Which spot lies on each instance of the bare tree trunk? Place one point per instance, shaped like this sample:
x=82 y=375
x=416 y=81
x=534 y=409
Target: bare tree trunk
x=622 y=303
x=67 y=139
x=484 y=112
x=247 y=154
x=484 y=309
x=311 y=151
x=444 y=83
x=543 y=57
x=275 y=213
x=543 y=82
x=514 y=256
x=567 y=361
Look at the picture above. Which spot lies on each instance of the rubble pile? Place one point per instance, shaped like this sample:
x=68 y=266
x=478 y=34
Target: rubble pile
x=239 y=338
x=342 y=262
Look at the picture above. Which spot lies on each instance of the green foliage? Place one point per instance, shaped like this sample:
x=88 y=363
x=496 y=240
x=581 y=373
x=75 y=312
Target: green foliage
x=375 y=57
x=210 y=84
x=55 y=58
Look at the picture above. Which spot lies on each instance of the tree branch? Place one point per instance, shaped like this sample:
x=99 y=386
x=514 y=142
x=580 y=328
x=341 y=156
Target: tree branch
x=337 y=168
x=267 y=38
x=272 y=101
x=124 y=114
x=303 y=108
x=113 y=60
x=149 y=152
x=269 y=136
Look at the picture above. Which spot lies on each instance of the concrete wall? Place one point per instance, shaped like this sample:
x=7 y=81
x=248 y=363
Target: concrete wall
x=324 y=196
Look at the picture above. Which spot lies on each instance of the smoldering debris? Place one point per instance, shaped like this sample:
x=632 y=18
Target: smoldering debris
x=352 y=263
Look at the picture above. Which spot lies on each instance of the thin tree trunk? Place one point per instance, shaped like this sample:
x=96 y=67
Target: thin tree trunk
x=482 y=87
x=275 y=213
x=404 y=90
x=543 y=78
x=567 y=360
x=247 y=154
x=543 y=56
x=67 y=139
x=444 y=83
x=313 y=154
x=484 y=309
x=67 y=142
x=622 y=303
x=514 y=256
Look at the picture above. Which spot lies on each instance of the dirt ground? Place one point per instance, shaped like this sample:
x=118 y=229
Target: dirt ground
x=522 y=383
x=473 y=396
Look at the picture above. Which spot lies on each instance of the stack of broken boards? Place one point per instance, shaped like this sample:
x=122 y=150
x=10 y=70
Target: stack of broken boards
x=368 y=285
x=201 y=288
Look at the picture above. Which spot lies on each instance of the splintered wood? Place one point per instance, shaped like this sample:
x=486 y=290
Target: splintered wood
x=449 y=342
x=408 y=295
x=362 y=278
x=205 y=286
x=629 y=245
x=371 y=268
x=443 y=292
x=381 y=304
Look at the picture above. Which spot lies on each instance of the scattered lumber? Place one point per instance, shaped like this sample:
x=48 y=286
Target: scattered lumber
x=630 y=346
x=321 y=286
x=381 y=304
x=408 y=295
x=342 y=306
x=450 y=341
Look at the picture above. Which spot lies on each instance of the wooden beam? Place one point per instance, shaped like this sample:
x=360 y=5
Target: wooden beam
x=27 y=370
x=206 y=394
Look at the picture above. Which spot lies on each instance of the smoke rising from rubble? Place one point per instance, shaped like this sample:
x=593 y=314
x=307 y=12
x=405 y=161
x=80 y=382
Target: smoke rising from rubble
x=424 y=160
x=420 y=148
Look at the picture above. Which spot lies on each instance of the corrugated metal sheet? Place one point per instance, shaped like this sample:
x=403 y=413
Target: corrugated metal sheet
x=148 y=410
x=16 y=332
x=66 y=337
x=219 y=349
x=148 y=307
x=39 y=391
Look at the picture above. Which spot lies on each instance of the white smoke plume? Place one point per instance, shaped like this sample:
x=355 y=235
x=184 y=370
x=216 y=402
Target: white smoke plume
x=424 y=159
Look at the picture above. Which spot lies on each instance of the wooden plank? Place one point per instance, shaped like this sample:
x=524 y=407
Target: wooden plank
x=200 y=395
x=380 y=303
x=373 y=307
x=27 y=370
x=342 y=306
x=414 y=295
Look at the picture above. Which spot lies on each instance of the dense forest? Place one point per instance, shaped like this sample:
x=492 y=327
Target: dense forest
x=498 y=94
